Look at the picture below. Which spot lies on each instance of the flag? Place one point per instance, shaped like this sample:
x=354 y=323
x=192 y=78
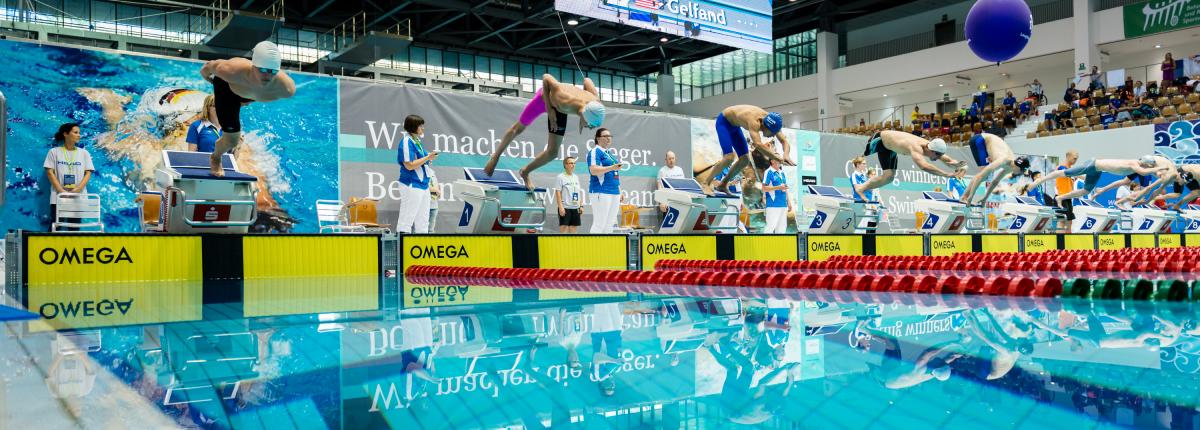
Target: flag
x=647 y=4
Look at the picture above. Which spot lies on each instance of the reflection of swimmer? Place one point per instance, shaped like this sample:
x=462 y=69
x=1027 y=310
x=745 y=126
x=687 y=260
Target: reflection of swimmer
x=746 y=403
x=556 y=100
x=237 y=82
x=1001 y=352
x=1142 y=333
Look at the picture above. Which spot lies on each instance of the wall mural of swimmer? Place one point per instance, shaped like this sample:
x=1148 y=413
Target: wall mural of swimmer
x=131 y=107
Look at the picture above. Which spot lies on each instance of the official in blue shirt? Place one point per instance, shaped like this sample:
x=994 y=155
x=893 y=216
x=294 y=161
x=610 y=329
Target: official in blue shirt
x=604 y=183
x=202 y=135
x=414 y=178
x=775 y=190
x=1009 y=100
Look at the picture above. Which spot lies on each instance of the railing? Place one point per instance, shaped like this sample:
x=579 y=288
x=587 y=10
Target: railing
x=197 y=25
x=220 y=10
x=355 y=28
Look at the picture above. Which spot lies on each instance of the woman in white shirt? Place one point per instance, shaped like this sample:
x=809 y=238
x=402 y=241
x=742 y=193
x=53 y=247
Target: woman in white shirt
x=68 y=167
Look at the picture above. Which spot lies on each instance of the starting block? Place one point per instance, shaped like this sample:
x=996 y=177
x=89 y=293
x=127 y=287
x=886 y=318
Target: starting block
x=1191 y=217
x=833 y=212
x=498 y=204
x=193 y=200
x=1029 y=215
x=1093 y=217
x=1149 y=219
x=689 y=210
x=943 y=214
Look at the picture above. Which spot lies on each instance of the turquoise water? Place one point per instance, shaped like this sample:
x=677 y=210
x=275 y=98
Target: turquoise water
x=537 y=359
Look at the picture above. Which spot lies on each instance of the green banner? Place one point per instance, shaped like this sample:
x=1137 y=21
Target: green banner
x=1158 y=16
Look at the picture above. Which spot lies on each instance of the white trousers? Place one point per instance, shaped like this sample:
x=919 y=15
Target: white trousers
x=776 y=220
x=414 y=210
x=605 y=210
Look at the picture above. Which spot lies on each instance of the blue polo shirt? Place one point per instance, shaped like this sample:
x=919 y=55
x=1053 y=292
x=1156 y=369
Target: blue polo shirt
x=204 y=135
x=412 y=150
x=610 y=182
x=777 y=198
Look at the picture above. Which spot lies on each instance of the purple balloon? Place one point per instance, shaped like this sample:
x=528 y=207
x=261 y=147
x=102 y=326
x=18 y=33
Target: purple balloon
x=997 y=30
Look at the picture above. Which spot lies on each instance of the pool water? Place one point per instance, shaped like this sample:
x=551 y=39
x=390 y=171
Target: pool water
x=564 y=359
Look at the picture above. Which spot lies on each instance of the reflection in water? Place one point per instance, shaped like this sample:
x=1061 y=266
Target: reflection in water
x=636 y=361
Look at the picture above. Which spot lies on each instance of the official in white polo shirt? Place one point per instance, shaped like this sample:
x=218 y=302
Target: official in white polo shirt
x=775 y=190
x=669 y=171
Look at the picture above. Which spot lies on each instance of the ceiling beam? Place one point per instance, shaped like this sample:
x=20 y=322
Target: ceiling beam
x=319 y=8
x=389 y=13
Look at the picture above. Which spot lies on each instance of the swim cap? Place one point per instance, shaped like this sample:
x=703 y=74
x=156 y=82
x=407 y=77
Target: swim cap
x=1021 y=163
x=266 y=56
x=593 y=114
x=941 y=373
x=938 y=146
x=773 y=122
x=1187 y=177
x=1148 y=159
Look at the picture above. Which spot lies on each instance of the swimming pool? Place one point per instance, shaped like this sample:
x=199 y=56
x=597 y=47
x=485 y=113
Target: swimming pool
x=499 y=358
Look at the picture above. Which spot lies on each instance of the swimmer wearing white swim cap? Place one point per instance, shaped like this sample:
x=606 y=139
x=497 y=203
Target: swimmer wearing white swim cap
x=888 y=145
x=239 y=81
x=557 y=100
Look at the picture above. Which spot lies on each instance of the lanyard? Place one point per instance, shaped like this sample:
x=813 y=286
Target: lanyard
x=420 y=148
x=70 y=157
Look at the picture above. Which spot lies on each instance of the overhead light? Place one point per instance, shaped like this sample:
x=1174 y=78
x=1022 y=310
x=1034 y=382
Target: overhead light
x=663 y=40
x=790 y=112
x=941 y=85
x=1157 y=46
x=885 y=95
x=572 y=22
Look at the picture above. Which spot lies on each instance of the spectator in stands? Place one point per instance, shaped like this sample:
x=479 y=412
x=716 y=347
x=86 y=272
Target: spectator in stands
x=916 y=114
x=202 y=135
x=668 y=171
x=1152 y=90
x=1036 y=88
x=1194 y=83
x=569 y=197
x=604 y=187
x=862 y=122
x=1168 y=69
x=414 y=178
x=1096 y=79
x=1071 y=95
x=68 y=167
x=1009 y=101
x=1128 y=83
x=1139 y=89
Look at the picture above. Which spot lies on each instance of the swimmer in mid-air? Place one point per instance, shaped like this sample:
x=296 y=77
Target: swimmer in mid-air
x=993 y=155
x=238 y=82
x=1092 y=169
x=730 y=123
x=887 y=144
x=561 y=100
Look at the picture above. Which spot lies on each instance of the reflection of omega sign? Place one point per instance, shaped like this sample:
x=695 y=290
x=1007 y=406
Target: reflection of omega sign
x=84 y=256
x=696 y=11
x=440 y=251
x=666 y=248
x=86 y=308
x=943 y=244
x=825 y=246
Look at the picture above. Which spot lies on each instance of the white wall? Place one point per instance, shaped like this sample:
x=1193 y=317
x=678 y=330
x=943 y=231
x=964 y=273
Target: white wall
x=912 y=24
